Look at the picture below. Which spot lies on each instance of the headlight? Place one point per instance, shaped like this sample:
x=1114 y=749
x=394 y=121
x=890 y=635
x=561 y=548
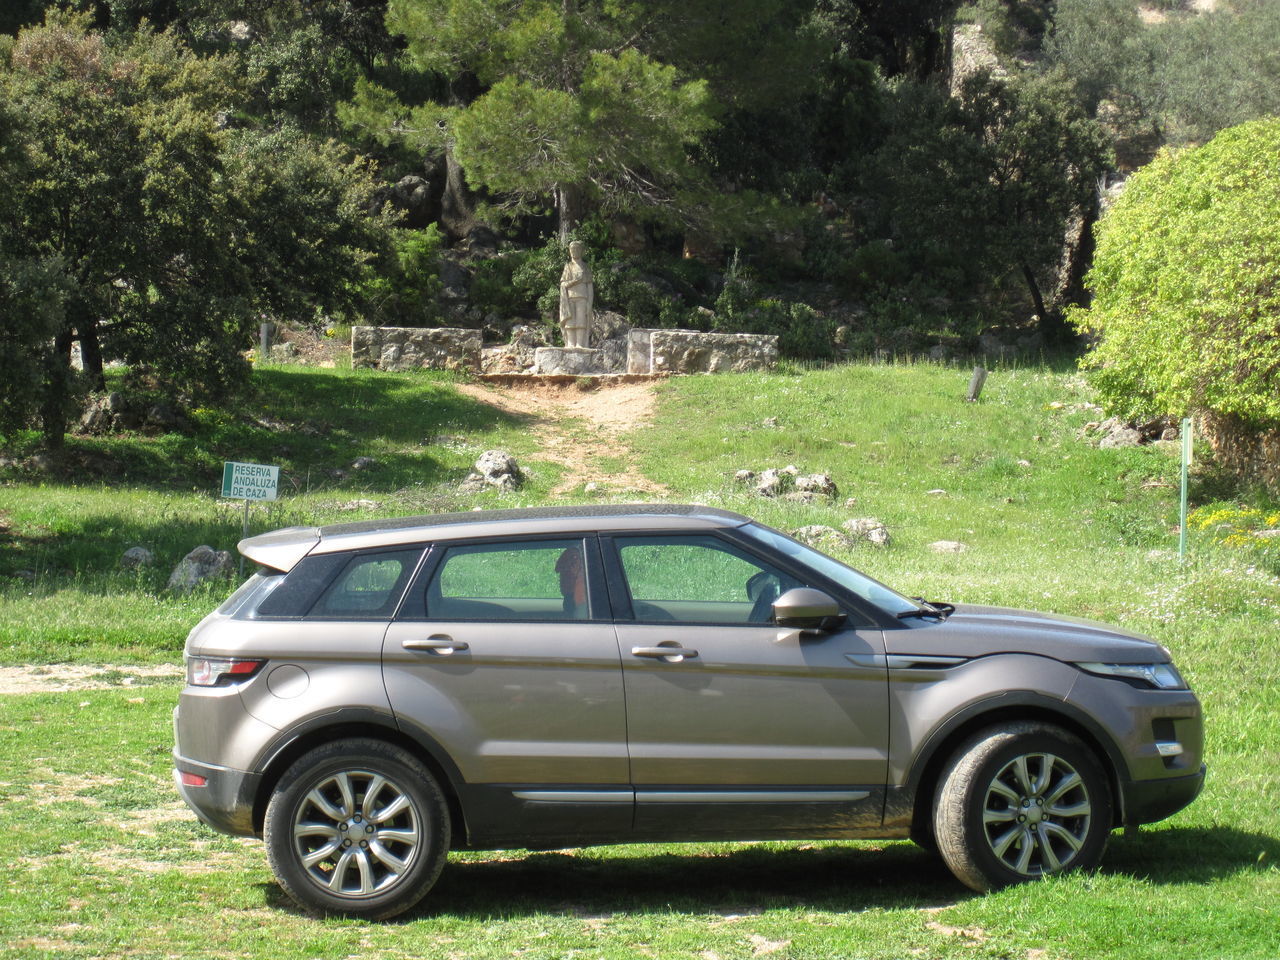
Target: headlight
x=1162 y=676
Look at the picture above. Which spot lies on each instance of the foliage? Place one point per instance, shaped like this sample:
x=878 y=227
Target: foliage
x=1186 y=283
x=581 y=106
x=402 y=290
x=174 y=232
x=1235 y=526
x=1004 y=167
x=1190 y=75
x=801 y=332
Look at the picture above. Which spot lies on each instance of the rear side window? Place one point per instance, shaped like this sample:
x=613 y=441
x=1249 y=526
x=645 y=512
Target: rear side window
x=542 y=580
x=294 y=597
x=369 y=587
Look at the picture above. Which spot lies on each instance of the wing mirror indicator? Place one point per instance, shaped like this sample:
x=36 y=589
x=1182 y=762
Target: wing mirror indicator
x=807 y=609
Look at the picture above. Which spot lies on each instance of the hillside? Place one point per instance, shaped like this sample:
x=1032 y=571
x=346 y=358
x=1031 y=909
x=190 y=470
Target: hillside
x=89 y=653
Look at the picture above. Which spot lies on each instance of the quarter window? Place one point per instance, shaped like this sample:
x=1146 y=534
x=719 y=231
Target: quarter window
x=369 y=587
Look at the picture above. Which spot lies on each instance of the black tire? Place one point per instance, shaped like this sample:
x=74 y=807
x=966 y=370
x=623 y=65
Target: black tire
x=357 y=827
x=1021 y=801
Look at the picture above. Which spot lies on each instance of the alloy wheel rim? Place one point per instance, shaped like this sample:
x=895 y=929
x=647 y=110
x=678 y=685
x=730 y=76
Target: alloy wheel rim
x=356 y=833
x=1036 y=814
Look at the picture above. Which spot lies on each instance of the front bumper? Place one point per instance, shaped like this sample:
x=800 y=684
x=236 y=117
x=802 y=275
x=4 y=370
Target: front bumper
x=1146 y=801
x=225 y=802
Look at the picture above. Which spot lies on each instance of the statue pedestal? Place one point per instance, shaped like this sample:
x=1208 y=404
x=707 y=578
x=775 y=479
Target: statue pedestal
x=570 y=361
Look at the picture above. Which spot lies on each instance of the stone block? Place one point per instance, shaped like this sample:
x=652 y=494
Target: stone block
x=690 y=351
x=569 y=361
x=415 y=348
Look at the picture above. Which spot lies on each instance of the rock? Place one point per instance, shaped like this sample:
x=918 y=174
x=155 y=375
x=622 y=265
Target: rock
x=850 y=503
x=201 y=564
x=770 y=423
x=163 y=416
x=824 y=538
x=482 y=242
x=1120 y=435
x=494 y=468
x=1266 y=534
x=869 y=529
x=774 y=482
x=937 y=492
x=948 y=546
x=415 y=348
x=591 y=487
x=1024 y=463
x=1169 y=433
x=804 y=496
x=97 y=417
x=360 y=505
x=363 y=463
x=516 y=356
x=744 y=476
x=283 y=352
x=136 y=557
x=817 y=483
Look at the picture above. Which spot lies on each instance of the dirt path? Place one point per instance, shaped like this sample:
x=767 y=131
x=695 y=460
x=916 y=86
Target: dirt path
x=67 y=677
x=579 y=427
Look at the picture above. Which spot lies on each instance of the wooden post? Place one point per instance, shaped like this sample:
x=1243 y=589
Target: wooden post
x=975 y=383
x=265 y=332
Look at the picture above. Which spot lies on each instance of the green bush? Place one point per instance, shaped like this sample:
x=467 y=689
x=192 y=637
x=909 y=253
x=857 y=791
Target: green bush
x=403 y=291
x=1186 y=283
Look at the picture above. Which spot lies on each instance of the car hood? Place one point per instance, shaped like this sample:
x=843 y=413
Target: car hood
x=974 y=631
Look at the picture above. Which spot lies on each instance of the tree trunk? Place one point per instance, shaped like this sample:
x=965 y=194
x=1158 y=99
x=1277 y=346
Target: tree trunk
x=1053 y=326
x=568 y=210
x=91 y=354
x=56 y=389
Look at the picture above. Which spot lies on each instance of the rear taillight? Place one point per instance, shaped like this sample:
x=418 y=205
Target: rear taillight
x=192 y=779
x=215 y=671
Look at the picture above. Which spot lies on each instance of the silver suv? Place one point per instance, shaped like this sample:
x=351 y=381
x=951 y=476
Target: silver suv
x=381 y=692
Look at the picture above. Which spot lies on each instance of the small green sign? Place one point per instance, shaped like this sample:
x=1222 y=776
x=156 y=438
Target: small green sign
x=249 y=481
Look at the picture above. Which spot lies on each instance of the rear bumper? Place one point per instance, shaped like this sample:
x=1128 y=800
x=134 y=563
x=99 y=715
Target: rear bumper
x=1146 y=801
x=225 y=802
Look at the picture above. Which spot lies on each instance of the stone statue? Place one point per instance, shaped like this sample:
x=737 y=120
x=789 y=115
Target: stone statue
x=576 y=294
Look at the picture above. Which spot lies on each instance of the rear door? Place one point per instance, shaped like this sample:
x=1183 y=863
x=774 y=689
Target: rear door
x=504 y=655
x=738 y=728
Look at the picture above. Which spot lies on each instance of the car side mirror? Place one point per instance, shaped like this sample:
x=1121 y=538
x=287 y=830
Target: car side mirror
x=805 y=608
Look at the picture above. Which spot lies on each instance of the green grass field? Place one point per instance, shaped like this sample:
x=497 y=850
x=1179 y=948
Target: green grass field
x=103 y=860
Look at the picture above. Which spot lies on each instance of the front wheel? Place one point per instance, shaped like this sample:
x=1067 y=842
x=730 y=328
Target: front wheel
x=1021 y=801
x=357 y=827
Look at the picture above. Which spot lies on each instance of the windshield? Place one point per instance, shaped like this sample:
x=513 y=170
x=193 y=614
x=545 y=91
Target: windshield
x=873 y=591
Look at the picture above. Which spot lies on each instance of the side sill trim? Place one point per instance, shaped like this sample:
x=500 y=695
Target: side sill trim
x=751 y=796
x=575 y=796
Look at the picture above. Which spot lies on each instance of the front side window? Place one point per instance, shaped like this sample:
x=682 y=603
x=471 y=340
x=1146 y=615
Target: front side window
x=698 y=579
x=540 y=580
x=369 y=587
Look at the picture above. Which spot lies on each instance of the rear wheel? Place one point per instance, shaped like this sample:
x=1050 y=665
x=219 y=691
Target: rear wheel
x=1021 y=801
x=358 y=827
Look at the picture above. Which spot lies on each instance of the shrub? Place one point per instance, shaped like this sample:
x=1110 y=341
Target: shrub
x=1186 y=284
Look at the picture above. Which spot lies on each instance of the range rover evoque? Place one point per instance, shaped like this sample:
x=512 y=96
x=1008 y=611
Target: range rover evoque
x=379 y=693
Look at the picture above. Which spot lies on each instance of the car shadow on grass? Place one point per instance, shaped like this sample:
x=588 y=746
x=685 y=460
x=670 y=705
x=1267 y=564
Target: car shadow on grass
x=728 y=881
x=750 y=879
x=1189 y=854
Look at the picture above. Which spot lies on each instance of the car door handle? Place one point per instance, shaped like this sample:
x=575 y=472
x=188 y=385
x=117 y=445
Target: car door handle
x=670 y=653
x=440 y=644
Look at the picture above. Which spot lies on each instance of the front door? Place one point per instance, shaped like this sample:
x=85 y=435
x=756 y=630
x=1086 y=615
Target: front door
x=737 y=727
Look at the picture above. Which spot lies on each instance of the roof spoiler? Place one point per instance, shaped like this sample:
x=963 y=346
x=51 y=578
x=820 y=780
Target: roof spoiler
x=280 y=549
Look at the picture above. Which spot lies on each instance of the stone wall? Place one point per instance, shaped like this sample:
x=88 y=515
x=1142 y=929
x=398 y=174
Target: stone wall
x=689 y=351
x=415 y=348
